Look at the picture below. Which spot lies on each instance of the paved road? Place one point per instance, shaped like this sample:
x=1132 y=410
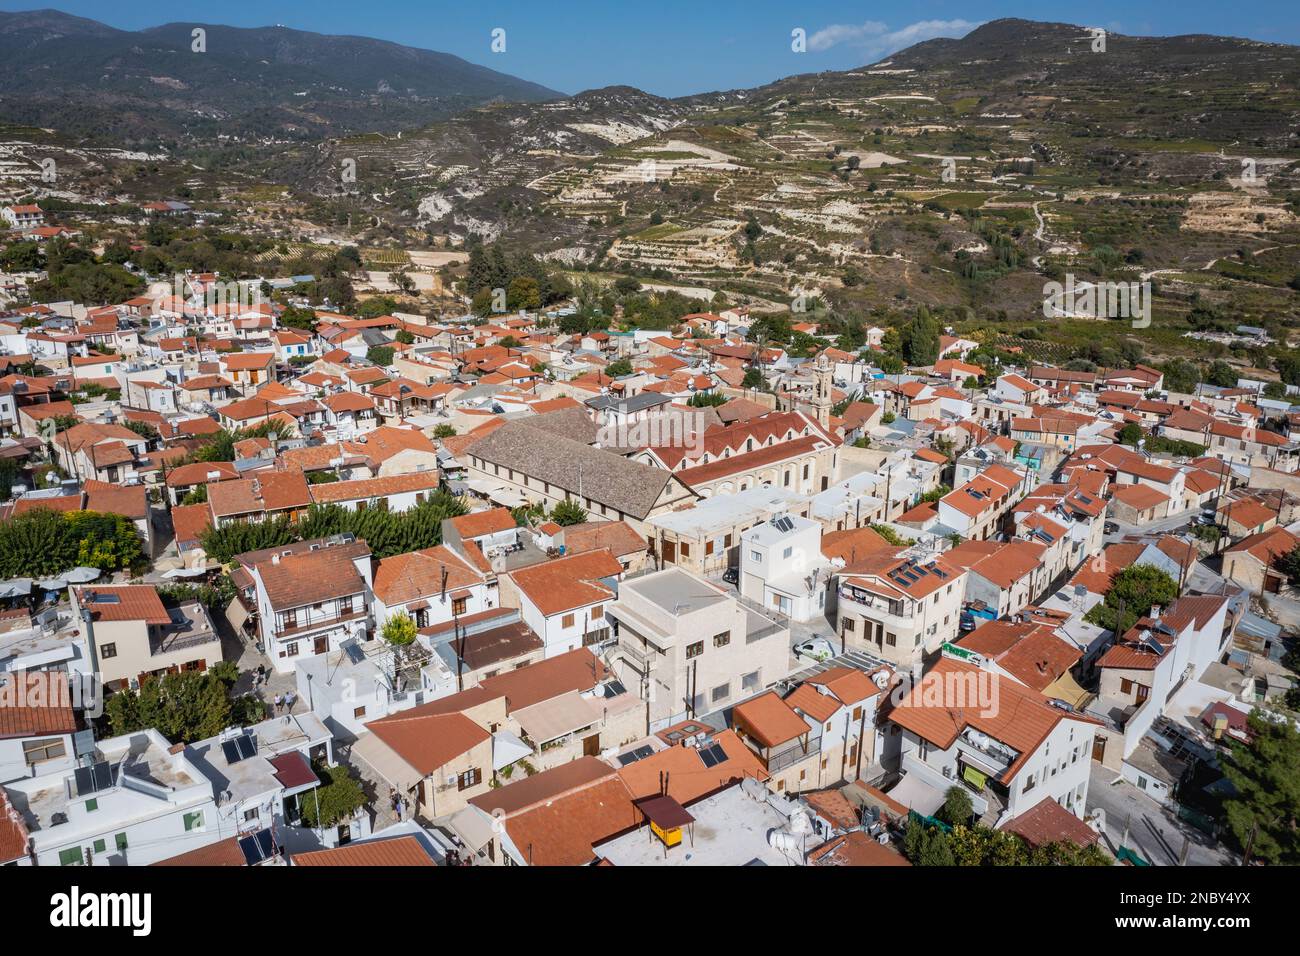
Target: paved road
x=1175 y=523
x=1154 y=832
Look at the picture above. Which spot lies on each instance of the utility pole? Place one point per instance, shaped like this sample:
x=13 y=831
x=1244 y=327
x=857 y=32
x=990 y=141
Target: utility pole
x=1250 y=845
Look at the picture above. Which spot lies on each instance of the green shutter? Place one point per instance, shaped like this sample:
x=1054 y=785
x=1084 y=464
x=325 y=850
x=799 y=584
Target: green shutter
x=120 y=840
x=70 y=857
x=100 y=846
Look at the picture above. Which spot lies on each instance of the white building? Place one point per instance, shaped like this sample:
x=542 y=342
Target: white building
x=261 y=774
x=138 y=802
x=996 y=737
x=564 y=600
x=782 y=567
x=689 y=648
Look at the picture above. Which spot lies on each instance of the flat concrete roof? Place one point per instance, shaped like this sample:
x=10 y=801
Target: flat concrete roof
x=730 y=829
x=675 y=591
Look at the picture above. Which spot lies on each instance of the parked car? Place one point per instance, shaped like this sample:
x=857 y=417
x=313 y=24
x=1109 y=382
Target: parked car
x=731 y=575
x=1110 y=527
x=819 y=649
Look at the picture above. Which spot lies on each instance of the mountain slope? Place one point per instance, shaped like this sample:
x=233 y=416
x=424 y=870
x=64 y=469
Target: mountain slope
x=85 y=78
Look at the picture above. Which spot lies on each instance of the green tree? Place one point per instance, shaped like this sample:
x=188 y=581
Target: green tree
x=221 y=446
x=1133 y=592
x=1221 y=374
x=927 y=846
x=22 y=257
x=399 y=630
x=618 y=368
x=957 y=806
x=387 y=533
x=524 y=292
x=196 y=496
x=568 y=512
x=143 y=429
x=183 y=707
x=336 y=800
x=1289 y=564
x=892 y=536
x=444 y=431
x=482 y=304
x=1130 y=434
x=1181 y=375
x=921 y=339
x=381 y=355
x=295 y=317
x=706 y=399
x=1265 y=809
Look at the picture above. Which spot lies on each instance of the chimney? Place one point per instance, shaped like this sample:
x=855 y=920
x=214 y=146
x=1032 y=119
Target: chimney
x=275 y=558
x=1155 y=612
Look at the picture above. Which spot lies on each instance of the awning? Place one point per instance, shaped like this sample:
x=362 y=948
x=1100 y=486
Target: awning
x=990 y=768
x=462 y=595
x=185 y=573
x=507 y=498
x=237 y=614
x=15 y=587
x=473 y=826
x=974 y=777
x=293 y=771
x=418 y=606
x=384 y=761
x=915 y=794
x=1065 y=688
x=556 y=717
x=507 y=748
x=664 y=812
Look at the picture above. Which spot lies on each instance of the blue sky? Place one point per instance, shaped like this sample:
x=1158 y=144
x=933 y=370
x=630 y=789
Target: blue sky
x=676 y=47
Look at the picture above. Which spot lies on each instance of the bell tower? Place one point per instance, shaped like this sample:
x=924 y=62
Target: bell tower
x=821 y=401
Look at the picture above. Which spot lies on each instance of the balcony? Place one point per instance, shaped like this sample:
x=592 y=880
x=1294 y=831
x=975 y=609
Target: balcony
x=303 y=623
x=986 y=754
x=791 y=754
x=878 y=608
x=641 y=658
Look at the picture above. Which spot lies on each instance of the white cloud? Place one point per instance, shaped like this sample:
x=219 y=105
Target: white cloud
x=876 y=39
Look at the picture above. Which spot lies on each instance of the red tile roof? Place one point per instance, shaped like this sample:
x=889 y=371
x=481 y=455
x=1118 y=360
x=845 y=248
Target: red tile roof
x=36 y=703
x=13 y=832
x=1048 y=822
x=1022 y=718
x=222 y=853
x=427 y=741
x=123 y=602
x=567 y=583
x=769 y=720
x=393 y=851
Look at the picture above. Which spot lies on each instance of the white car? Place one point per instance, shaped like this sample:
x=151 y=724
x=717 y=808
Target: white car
x=819 y=649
